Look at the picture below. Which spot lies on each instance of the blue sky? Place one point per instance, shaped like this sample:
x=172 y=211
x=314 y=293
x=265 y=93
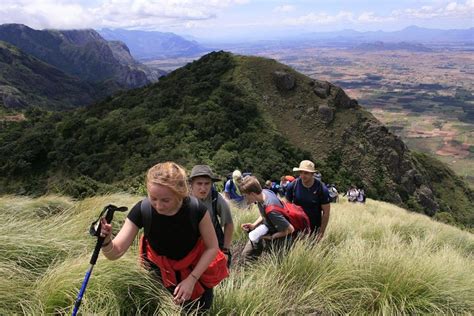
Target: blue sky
x=220 y=19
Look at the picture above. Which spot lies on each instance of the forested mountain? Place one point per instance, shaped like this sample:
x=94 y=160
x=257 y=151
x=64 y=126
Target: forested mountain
x=230 y=112
x=26 y=81
x=154 y=45
x=81 y=53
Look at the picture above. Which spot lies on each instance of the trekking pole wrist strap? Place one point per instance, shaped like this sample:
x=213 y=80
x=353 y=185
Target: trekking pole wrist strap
x=107 y=243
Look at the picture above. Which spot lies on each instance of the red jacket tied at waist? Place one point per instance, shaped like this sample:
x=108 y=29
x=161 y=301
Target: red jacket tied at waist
x=213 y=275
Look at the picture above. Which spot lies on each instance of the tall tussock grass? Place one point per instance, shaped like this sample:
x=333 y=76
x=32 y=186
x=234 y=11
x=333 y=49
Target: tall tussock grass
x=375 y=259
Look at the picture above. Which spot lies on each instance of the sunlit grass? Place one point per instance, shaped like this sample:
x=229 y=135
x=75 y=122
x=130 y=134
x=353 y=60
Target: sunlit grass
x=375 y=259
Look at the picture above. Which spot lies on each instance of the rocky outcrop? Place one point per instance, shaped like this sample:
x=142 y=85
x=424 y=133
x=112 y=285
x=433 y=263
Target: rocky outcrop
x=12 y=101
x=401 y=177
x=337 y=96
x=411 y=180
x=424 y=196
x=321 y=88
x=326 y=114
x=341 y=99
x=134 y=78
x=284 y=81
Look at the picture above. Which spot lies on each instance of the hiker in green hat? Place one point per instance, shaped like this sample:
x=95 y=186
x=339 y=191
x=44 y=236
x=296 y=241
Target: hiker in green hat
x=202 y=187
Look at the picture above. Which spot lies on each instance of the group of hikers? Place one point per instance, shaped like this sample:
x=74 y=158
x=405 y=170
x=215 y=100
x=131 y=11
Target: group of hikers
x=188 y=225
x=355 y=195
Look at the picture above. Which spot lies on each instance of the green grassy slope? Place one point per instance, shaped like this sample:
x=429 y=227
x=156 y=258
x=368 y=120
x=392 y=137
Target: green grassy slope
x=375 y=259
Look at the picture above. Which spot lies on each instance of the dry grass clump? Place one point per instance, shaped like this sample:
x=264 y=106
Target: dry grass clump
x=375 y=259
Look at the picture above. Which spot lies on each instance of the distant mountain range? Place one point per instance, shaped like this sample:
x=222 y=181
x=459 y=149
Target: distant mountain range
x=146 y=45
x=381 y=46
x=408 y=34
x=462 y=39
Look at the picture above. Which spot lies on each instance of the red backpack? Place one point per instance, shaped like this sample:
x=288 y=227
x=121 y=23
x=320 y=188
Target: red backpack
x=293 y=213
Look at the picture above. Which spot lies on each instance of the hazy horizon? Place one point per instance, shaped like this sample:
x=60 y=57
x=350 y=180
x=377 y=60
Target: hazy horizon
x=239 y=19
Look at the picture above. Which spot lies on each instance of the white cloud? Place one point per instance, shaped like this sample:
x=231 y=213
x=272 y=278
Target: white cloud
x=111 y=13
x=453 y=10
x=284 y=8
x=319 y=18
x=371 y=17
x=179 y=14
x=45 y=14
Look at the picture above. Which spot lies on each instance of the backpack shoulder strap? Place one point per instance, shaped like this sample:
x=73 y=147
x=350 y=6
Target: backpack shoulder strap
x=274 y=207
x=214 y=197
x=293 y=188
x=194 y=205
x=320 y=190
x=146 y=211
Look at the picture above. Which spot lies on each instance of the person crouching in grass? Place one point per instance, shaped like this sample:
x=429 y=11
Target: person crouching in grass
x=279 y=228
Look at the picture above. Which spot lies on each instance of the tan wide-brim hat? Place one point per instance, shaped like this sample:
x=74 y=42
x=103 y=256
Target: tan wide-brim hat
x=305 y=165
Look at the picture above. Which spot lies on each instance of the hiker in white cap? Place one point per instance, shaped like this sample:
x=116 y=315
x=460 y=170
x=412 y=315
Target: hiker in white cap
x=232 y=191
x=311 y=194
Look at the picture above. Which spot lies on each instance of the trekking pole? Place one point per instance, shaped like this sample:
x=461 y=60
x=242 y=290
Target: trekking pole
x=94 y=230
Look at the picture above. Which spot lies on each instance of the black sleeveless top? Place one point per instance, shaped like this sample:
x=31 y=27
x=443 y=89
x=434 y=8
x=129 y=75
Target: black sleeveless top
x=172 y=236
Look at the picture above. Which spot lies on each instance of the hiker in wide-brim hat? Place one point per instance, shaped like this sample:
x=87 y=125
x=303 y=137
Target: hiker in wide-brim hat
x=201 y=181
x=203 y=171
x=305 y=165
x=309 y=192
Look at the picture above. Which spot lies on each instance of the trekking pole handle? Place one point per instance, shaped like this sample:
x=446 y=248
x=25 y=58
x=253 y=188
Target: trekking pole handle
x=100 y=240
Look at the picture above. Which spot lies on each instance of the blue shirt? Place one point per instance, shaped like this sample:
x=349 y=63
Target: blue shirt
x=310 y=199
x=232 y=190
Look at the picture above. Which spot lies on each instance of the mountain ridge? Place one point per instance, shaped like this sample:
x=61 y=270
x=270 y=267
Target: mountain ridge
x=265 y=117
x=81 y=53
x=39 y=84
x=350 y=143
x=146 y=45
x=408 y=34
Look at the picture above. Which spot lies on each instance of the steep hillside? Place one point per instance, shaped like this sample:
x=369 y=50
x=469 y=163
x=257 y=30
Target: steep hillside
x=231 y=112
x=375 y=259
x=352 y=147
x=81 y=53
x=115 y=141
x=154 y=45
x=26 y=81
